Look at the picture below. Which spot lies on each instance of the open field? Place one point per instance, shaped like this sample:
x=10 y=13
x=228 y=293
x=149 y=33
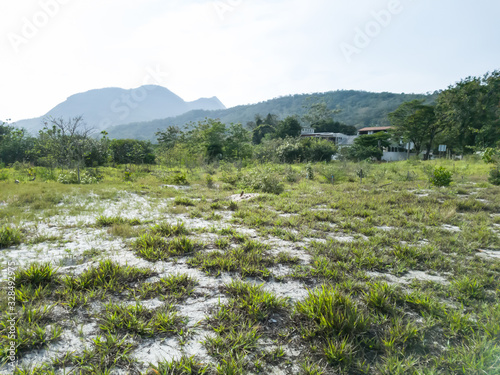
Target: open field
x=271 y=269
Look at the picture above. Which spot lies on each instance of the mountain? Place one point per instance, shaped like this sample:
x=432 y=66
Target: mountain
x=358 y=108
x=103 y=108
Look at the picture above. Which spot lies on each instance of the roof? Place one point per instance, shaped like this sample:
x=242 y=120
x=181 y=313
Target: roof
x=380 y=128
x=324 y=134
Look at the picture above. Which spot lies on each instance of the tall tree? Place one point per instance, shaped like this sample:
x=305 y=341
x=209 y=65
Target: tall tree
x=470 y=112
x=259 y=133
x=237 y=144
x=64 y=142
x=168 y=138
x=416 y=122
x=318 y=113
x=368 y=146
x=289 y=127
x=15 y=144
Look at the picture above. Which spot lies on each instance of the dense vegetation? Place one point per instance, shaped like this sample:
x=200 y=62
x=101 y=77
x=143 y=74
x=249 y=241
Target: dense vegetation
x=465 y=118
x=358 y=109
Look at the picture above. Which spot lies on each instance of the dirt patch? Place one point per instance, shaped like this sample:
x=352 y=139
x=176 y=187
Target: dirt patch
x=243 y=197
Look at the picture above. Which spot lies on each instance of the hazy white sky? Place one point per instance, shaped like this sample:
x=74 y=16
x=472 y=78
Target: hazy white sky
x=242 y=51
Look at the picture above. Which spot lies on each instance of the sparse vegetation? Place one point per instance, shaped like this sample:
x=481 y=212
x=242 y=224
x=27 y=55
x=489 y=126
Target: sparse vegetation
x=388 y=275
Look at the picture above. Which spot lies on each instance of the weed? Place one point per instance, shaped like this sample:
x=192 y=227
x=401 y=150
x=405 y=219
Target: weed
x=9 y=236
x=441 y=177
x=169 y=230
x=332 y=312
x=107 y=276
x=173 y=288
x=183 y=366
x=184 y=202
x=137 y=319
x=108 y=221
x=35 y=275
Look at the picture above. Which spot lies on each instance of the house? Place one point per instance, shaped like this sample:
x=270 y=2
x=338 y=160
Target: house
x=339 y=139
x=374 y=130
x=395 y=152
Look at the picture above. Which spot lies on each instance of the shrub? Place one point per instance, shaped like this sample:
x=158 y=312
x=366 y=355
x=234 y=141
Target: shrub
x=179 y=179
x=309 y=172
x=9 y=236
x=291 y=174
x=36 y=275
x=230 y=178
x=494 y=177
x=71 y=177
x=265 y=180
x=441 y=177
x=210 y=181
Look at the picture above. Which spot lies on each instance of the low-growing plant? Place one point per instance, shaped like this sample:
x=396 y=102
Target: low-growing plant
x=441 y=177
x=184 y=201
x=179 y=179
x=137 y=319
x=332 y=312
x=9 y=236
x=35 y=275
x=209 y=181
x=71 y=177
x=107 y=221
x=166 y=229
x=183 y=366
x=494 y=177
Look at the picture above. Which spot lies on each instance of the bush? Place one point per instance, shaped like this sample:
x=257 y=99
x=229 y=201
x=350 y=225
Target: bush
x=9 y=236
x=4 y=175
x=359 y=153
x=179 y=179
x=494 y=177
x=309 y=172
x=441 y=177
x=265 y=180
x=230 y=178
x=210 y=181
x=291 y=174
x=71 y=177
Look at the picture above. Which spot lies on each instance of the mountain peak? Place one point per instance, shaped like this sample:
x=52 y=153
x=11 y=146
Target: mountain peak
x=111 y=106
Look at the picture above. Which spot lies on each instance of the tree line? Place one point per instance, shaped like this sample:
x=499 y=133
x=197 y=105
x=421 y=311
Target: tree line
x=464 y=117
x=70 y=144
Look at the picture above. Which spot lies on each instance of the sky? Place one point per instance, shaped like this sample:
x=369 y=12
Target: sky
x=242 y=51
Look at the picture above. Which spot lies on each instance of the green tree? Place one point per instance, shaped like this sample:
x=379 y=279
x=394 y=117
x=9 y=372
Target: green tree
x=259 y=133
x=237 y=144
x=318 y=113
x=99 y=152
x=169 y=137
x=132 y=151
x=416 y=122
x=469 y=111
x=368 y=146
x=15 y=144
x=331 y=126
x=63 y=143
x=289 y=127
x=206 y=137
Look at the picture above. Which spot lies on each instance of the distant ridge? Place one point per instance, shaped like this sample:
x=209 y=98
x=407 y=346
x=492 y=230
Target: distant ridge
x=358 y=108
x=107 y=107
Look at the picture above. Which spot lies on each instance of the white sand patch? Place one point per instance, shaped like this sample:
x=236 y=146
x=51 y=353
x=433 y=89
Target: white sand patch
x=408 y=277
x=490 y=254
x=243 y=197
x=451 y=228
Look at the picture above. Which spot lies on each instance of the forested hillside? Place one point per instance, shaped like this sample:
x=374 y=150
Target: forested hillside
x=358 y=108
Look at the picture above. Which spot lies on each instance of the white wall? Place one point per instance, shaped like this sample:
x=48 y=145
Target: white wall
x=396 y=156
